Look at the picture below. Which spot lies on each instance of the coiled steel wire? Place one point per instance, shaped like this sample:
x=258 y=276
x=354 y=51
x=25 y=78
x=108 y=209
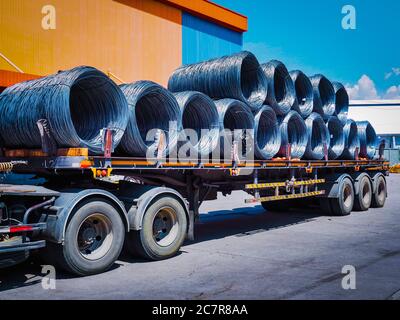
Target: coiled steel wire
x=318 y=137
x=200 y=115
x=77 y=104
x=335 y=128
x=294 y=132
x=238 y=76
x=342 y=101
x=268 y=138
x=235 y=118
x=324 y=96
x=304 y=102
x=152 y=109
x=367 y=135
x=351 y=140
x=281 y=92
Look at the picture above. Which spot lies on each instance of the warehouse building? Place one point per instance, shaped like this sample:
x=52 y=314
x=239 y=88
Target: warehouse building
x=128 y=39
x=384 y=115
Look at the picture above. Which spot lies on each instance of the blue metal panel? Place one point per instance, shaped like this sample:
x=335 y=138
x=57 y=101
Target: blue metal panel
x=203 y=40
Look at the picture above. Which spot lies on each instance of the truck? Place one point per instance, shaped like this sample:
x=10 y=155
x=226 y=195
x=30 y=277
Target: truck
x=79 y=211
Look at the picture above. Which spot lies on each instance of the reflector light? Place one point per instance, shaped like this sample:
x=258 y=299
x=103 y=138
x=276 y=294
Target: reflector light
x=16 y=229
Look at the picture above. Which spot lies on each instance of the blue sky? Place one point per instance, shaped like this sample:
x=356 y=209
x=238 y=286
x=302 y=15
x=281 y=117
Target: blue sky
x=308 y=35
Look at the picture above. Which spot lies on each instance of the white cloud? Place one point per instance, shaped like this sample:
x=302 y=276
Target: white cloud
x=365 y=89
x=392 y=93
x=388 y=75
x=394 y=71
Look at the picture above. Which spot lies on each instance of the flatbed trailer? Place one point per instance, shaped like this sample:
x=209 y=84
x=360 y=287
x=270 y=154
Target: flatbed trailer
x=86 y=208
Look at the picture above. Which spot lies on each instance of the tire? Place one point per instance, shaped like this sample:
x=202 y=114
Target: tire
x=343 y=205
x=93 y=239
x=363 y=199
x=276 y=206
x=163 y=231
x=380 y=193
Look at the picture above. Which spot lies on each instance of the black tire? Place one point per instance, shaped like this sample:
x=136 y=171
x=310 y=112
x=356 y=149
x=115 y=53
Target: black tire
x=163 y=231
x=93 y=239
x=276 y=206
x=380 y=193
x=343 y=205
x=363 y=199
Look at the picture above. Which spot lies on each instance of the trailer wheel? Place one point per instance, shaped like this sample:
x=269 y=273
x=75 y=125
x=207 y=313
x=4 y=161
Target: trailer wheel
x=363 y=199
x=380 y=194
x=163 y=231
x=343 y=204
x=93 y=239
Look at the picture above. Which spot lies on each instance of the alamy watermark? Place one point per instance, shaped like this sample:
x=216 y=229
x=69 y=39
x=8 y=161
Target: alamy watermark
x=49 y=20
x=349 y=21
x=349 y=281
x=49 y=278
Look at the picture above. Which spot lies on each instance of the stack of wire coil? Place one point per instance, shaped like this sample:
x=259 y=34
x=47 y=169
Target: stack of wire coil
x=264 y=106
x=337 y=145
x=77 y=104
x=318 y=137
x=200 y=121
x=155 y=120
x=304 y=102
x=294 y=133
x=238 y=76
x=237 y=126
x=351 y=140
x=367 y=139
x=268 y=138
x=281 y=92
x=342 y=101
x=324 y=96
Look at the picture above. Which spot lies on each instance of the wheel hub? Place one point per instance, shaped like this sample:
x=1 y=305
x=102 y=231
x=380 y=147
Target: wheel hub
x=165 y=226
x=95 y=236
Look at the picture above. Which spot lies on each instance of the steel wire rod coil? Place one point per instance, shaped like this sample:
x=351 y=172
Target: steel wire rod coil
x=324 y=96
x=351 y=140
x=281 y=92
x=237 y=125
x=77 y=105
x=268 y=138
x=367 y=135
x=304 y=102
x=155 y=120
x=342 y=101
x=199 y=116
x=318 y=137
x=294 y=132
x=335 y=128
x=238 y=76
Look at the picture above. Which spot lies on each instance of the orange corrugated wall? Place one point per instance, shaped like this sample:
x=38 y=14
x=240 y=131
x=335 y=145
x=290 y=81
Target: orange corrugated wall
x=134 y=39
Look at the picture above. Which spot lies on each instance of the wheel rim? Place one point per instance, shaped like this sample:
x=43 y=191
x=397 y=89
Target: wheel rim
x=347 y=196
x=165 y=226
x=95 y=236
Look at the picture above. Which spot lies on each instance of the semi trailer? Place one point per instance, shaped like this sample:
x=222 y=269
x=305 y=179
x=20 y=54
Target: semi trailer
x=85 y=209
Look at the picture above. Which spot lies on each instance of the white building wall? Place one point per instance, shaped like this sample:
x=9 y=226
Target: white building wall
x=384 y=115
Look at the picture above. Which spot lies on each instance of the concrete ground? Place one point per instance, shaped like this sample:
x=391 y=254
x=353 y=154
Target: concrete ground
x=245 y=253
